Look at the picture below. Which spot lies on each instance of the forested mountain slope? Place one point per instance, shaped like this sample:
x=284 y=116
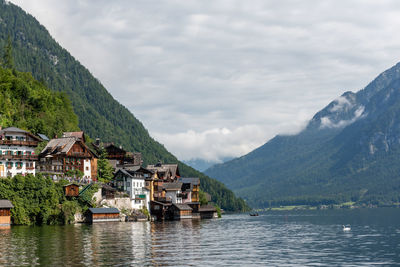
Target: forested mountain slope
x=349 y=151
x=99 y=114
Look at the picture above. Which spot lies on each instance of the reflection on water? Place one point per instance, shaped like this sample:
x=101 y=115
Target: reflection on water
x=271 y=239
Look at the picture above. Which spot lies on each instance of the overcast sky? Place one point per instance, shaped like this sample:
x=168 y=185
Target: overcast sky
x=215 y=79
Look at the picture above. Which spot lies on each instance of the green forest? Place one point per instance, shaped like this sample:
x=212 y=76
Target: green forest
x=99 y=114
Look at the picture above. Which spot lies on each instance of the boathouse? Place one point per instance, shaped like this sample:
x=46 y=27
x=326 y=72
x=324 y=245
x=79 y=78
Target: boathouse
x=103 y=215
x=181 y=211
x=71 y=190
x=5 y=216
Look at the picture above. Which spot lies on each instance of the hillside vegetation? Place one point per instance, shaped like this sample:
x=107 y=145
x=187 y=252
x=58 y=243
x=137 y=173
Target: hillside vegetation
x=99 y=114
x=28 y=104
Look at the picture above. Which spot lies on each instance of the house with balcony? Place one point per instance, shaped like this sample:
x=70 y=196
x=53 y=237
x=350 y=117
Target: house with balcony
x=165 y=172
x=133 y=182
x=190 y=193
x=68 y=153
x=118 y=157
x=17 y=152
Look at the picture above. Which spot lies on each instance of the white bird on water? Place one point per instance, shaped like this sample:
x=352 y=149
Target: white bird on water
x=346 y=228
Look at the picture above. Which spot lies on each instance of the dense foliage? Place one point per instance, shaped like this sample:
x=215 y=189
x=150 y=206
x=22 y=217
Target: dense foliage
x=38 y=200
x=28 y=104
x=100 y=115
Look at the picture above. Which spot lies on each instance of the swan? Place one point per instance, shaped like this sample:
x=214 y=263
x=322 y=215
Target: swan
x=346 y=228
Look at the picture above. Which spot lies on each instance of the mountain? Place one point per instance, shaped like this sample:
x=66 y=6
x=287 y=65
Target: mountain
x=349 y=151
x=202 y=164
x=99 y=114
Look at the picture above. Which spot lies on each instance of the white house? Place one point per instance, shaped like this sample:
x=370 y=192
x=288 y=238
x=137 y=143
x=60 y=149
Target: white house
x=173 y=192
x=17 y=152
x=133 y=183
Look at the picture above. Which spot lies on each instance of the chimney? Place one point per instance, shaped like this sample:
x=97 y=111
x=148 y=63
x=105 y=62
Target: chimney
x=97 y=142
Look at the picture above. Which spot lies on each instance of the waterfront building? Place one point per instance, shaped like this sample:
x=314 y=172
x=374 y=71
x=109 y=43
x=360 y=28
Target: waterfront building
x=103 y=215
x=5 y=215
x=133 y=182
x=17 y=152
x=181 y=211
x=68 y=153
x=173 y=192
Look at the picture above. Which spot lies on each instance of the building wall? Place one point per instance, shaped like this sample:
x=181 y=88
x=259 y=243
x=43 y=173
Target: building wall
x=172 y=195
x=17 y=160
x=87 y=172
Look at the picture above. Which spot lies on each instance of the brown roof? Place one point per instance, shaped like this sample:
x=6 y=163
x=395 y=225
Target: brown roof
x=6 y=204
x=80 y=135
x=172 y=169
x=172 y=186
x=62 y=145
x=207 y=208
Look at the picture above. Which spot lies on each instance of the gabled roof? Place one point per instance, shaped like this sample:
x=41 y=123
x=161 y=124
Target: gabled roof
x=103 y=210
x=186 y=180
x=59 y=145
x=18 y=130
x=172 y=186
x=6 y=204
x=129 y=174
x=165 y=168
x=80 y=135
x=63 y=145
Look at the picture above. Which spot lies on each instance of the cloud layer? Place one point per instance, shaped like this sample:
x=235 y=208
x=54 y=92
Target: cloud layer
x=211 y=79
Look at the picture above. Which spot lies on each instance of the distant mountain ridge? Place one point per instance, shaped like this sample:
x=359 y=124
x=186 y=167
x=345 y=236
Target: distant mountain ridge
x=99 y=114
x=349 y=151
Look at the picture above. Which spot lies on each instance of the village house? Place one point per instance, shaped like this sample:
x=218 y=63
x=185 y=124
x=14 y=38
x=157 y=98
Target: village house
x=5 y=215
x=190 y=194
x=103 y=215
x=68 y=153
x=165 y=172
x=17 y=152
x=117 y=156
x=173 y=192
x=133 y=182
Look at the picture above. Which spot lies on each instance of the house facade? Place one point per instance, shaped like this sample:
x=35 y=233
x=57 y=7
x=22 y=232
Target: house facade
x=133 y=182
x=17 y=152
x=68 y=153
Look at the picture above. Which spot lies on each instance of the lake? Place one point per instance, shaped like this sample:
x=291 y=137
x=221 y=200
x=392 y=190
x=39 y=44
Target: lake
x=284 y=238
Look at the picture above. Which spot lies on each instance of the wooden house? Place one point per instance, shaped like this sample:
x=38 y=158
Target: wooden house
x=160 y=210
x=181 y=211
x=71 y=190
x=68 y=153
x=208 y=212
x=103 y=215
x=165 y=172
x=5 y=214
x=118 y=156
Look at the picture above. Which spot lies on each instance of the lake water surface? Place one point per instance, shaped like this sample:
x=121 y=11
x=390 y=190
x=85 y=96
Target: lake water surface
x=295 y=238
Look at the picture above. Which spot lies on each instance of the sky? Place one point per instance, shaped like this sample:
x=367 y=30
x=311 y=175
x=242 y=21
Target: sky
x=217 y=79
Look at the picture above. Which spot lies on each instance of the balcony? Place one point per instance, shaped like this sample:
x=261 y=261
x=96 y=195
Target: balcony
x=19 y=157
x=18 y=143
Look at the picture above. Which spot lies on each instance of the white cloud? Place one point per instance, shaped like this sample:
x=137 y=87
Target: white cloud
x=327 y=123
x=180 y=65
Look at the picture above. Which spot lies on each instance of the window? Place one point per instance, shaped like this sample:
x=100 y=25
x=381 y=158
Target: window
x=128 y=184
x=87 y=168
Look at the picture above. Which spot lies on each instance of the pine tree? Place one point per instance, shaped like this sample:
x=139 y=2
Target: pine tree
x=8 y=60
